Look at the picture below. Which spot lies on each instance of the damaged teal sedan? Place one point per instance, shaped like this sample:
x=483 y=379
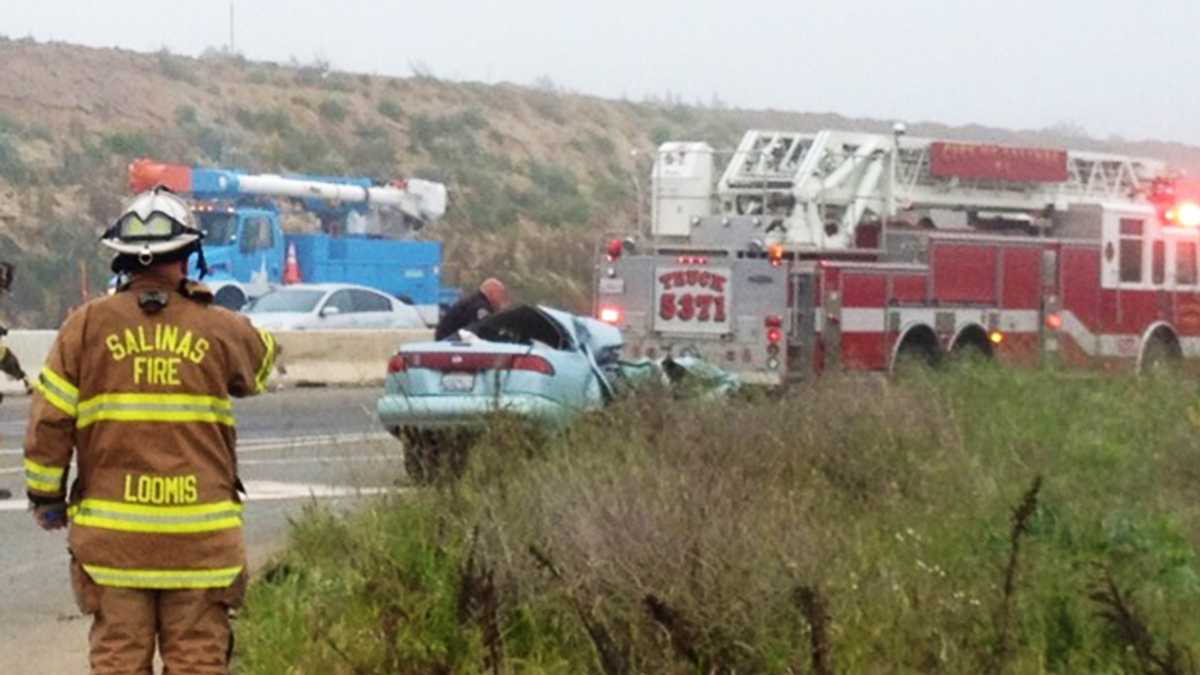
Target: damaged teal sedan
x=534 y=362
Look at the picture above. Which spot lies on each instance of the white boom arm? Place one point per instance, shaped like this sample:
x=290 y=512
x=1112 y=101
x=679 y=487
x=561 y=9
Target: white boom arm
x=420 y=199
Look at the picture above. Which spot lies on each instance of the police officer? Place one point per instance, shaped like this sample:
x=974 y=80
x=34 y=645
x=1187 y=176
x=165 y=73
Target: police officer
x=491 y=297
x=138 y=385
x=9 y=365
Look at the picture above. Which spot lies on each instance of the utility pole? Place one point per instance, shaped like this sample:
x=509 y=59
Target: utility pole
x=232 y=45
x=637 y=187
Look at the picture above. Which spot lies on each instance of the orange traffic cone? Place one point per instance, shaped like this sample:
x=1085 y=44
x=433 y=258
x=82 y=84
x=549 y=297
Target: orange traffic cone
x=291 y=269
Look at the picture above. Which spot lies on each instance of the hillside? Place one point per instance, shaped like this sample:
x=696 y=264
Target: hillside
x=536 y=174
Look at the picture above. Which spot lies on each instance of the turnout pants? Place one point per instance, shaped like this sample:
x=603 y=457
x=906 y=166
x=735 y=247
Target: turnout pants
x=190 y=626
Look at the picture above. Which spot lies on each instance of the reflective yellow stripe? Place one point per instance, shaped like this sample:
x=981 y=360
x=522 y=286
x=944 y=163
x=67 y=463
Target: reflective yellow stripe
x=264 y=370
x=163 y=579
x=155 y=408
x=126 y=517
x=43 y=478
x=57 y=391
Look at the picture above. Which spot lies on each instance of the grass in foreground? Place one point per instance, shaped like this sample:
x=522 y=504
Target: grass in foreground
x=978 y=521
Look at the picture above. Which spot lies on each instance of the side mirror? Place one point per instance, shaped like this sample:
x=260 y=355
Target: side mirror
x=330 y=311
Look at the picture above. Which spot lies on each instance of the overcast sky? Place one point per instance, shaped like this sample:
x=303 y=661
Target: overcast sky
x=1112 y=66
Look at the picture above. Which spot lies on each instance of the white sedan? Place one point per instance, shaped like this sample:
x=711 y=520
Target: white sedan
x=331 y=307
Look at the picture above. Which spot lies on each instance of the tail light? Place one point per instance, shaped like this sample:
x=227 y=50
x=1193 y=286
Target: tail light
x=774 y=325
x=614 y=249
x=610 y=315
x=534 y=364
x=456 y=362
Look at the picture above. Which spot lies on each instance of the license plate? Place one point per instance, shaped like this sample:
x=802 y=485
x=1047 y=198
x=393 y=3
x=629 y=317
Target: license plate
x=458 y=381
x=611 y=286
x=692 y=300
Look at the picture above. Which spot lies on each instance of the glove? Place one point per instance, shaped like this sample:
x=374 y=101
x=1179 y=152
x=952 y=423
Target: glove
x=52 y=516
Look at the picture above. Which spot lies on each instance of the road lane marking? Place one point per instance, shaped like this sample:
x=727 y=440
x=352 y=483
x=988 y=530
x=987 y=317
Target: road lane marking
x=312 y=459
x=270 y=491
x=280 y=442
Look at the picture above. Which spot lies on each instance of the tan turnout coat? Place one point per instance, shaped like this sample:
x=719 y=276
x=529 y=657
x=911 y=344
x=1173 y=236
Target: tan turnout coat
x=143 y=399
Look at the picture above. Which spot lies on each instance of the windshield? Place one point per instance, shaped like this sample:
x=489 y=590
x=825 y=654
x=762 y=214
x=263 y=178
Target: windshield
x=285 y=301
x=220 y=229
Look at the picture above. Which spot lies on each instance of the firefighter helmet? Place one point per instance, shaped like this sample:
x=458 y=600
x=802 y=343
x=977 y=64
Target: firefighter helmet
x=152 y=226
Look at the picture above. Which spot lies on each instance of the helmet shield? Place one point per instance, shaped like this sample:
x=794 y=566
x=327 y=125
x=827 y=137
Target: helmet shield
x=159 y=226
x=154 y=223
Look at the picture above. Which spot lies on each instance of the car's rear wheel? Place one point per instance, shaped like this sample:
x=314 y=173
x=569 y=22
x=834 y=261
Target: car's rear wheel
x=435 y=457
x=230 y=297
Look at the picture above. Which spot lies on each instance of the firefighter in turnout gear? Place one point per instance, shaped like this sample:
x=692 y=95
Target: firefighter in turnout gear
x=491 y=297
x=138 y=386
x=9 y=365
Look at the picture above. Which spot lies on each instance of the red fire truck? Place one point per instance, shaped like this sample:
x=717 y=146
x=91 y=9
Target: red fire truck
x=855 y=251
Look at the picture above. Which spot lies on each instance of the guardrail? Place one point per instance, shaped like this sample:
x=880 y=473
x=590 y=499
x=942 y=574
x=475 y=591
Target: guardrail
x=343 y=357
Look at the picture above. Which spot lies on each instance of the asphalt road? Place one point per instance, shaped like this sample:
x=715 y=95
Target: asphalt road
x=294 y=447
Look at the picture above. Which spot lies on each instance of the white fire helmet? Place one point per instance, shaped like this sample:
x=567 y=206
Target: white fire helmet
x=153 y=224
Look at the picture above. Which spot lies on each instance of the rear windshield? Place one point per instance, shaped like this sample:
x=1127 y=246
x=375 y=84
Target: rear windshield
x=285 y=301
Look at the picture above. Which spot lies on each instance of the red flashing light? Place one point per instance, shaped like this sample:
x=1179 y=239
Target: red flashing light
x=1053 y=321
x=610 y=315
x=775 y=254
x=774 y=335
x=692 y=260
x=1185 y=213
x=396 y=364
x=614 y=249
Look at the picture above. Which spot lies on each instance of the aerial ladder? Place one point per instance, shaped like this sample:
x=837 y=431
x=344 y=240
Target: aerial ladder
x=815 y=190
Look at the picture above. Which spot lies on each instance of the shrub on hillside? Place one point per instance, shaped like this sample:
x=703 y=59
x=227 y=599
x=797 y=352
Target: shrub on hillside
x=129 y=143
x=175 y=67
x=372 y=153
x=276 y=120
x=390 y=109
x=186 y=114
x=449 y=134
x=12 y=167
x=555 y=198
x=332 y=111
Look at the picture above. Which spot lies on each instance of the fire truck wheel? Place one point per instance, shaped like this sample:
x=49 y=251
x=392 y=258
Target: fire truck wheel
x=918 y=350
x=913 y=354
x=1159 y=356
